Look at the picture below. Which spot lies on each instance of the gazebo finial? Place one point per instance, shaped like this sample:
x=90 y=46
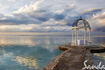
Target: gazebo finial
x=80 y=18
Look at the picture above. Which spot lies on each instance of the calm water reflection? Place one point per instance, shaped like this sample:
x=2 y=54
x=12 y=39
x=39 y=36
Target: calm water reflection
x=99 y=57
x=28 y=52
x=34 y=52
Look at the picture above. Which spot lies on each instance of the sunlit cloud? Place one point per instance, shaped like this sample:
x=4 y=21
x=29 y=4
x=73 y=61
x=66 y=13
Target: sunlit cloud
x=29 y=8
x=46 y=15
x=12 y=0
x=21 y=27
x=98 y=20
x=0 y=4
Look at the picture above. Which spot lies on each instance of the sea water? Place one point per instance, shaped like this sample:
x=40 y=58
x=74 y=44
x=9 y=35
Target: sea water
x=36 y=51
x=29 y=52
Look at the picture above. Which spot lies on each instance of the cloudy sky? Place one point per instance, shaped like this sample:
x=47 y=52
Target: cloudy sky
x=50 y=15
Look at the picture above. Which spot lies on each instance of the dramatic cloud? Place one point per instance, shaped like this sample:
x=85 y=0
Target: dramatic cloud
x=29 y=8
x=98 y=21
x=21 y=27
x=91 y=12
x=49 y=15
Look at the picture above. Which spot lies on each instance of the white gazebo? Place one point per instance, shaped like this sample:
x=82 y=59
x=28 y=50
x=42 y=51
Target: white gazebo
x=84 y=26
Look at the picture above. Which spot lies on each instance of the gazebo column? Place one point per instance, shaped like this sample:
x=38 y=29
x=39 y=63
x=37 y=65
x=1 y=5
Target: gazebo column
x=72 y=36
x=89 y=36
x=76 y=36
x=85 y=37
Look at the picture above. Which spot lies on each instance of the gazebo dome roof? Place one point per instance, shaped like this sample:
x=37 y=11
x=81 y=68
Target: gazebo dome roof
x=84 y=24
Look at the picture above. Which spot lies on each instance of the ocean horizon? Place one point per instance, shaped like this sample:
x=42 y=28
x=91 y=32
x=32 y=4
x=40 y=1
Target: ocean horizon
x=35 y=51
x=94 y=33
